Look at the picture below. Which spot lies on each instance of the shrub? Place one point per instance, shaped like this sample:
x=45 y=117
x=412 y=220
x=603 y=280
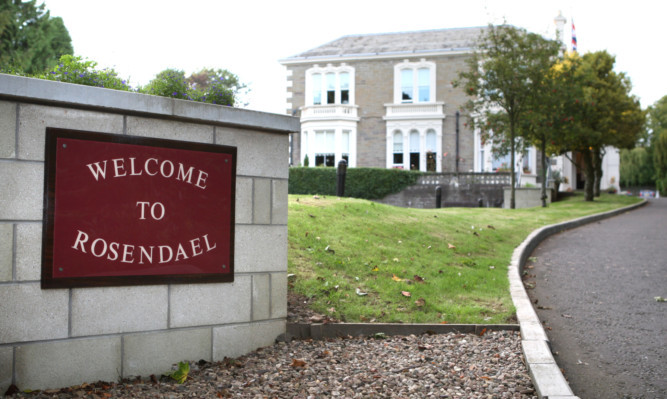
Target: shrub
x=366 y=183
x=73 y=69
x=168 y=83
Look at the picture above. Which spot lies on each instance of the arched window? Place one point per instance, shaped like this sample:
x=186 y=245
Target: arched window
x=344 y=78
x=414 y=82
x=398 y=148
x=414 y=150
x=431 y=151
x=316 y=88
x=424 y=88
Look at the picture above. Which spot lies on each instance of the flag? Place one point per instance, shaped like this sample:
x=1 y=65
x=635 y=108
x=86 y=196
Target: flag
x=574 y=38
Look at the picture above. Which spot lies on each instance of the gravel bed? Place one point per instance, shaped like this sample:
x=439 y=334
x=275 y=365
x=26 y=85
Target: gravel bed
x=445 y=366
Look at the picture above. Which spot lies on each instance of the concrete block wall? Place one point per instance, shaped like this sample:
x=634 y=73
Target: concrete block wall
x=62 y=337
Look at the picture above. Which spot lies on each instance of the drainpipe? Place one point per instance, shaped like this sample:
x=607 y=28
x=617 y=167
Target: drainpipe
x=458 y=115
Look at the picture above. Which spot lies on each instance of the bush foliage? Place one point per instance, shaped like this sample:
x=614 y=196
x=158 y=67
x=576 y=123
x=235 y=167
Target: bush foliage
x=366 y=183
x=213 y=86
x=73 y=69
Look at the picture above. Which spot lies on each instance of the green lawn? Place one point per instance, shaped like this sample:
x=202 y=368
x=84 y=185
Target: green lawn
x=365 y=262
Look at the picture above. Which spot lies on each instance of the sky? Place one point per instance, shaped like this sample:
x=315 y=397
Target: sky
x=140 y=38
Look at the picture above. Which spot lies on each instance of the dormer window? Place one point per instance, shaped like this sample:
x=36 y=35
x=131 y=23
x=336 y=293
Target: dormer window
x=414 y=82
x=330 y=85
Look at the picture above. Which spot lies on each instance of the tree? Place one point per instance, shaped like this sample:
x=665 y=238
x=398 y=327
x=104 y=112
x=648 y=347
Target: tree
x=658 y=142
x=503 y=78
x=547 y=118
x=31 y=41
x=604 y=114
x=208 y=85
x=218 y=83
x=636 y=167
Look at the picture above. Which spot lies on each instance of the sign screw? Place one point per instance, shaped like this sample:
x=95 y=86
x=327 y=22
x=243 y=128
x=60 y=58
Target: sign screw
x=224 y=266
x=60 y=269
x=64 y=145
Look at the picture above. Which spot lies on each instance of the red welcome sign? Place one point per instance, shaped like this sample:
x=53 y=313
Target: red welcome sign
x=126 y=210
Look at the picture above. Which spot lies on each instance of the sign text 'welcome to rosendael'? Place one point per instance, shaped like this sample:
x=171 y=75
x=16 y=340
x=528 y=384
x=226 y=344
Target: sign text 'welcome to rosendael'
x=123 y=210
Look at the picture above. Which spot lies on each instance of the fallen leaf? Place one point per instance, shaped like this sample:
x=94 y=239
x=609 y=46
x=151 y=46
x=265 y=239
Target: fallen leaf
x=419 y=279
x=328 y=249
x=444 y=322
x=396 y=260
x=567 y=316
x=475 y=233
x=181 y=374
x=358 y=291
x=406 y=293
x=491 y=227
x=420 y=302
x=482 y=332
x=298 y=363
x=375 y=269
x=316 y=197
x=450 y=246
x=660 y=299
x=396 y=278
x=312 y=216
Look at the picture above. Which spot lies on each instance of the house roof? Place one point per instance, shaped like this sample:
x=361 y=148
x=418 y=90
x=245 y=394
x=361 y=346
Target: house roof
x=397 y=43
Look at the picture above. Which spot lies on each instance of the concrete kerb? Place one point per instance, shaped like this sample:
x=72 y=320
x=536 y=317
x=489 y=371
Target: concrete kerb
x=547 y=378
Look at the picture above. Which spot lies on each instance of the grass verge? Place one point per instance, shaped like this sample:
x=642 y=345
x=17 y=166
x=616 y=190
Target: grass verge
x=360 y=261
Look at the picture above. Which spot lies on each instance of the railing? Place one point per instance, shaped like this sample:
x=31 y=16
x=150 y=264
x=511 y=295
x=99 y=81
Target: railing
x=334 y=111
x=415 y=110
x=501 y=178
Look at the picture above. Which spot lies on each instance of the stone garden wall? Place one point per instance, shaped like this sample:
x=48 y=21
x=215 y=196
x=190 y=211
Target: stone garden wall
x=457 y=190
x=60 y=337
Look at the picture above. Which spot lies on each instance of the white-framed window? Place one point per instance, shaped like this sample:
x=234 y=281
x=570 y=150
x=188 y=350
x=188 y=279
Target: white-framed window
x=526 y=162
x=327 y=145
x=414 y=146
x=414 y=82
x=415 y=150
x=316 y=88
x=431 y=151
x=330 y=85
x=345 y=146
x=397 y=157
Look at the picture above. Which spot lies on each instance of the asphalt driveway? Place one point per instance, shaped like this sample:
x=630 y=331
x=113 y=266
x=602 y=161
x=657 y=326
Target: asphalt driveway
x=594 y=290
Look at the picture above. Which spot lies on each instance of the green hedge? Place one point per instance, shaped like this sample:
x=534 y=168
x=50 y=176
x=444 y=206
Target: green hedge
x=366 y=183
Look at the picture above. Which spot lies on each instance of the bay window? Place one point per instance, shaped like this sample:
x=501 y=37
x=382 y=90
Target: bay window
x=330 y=85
